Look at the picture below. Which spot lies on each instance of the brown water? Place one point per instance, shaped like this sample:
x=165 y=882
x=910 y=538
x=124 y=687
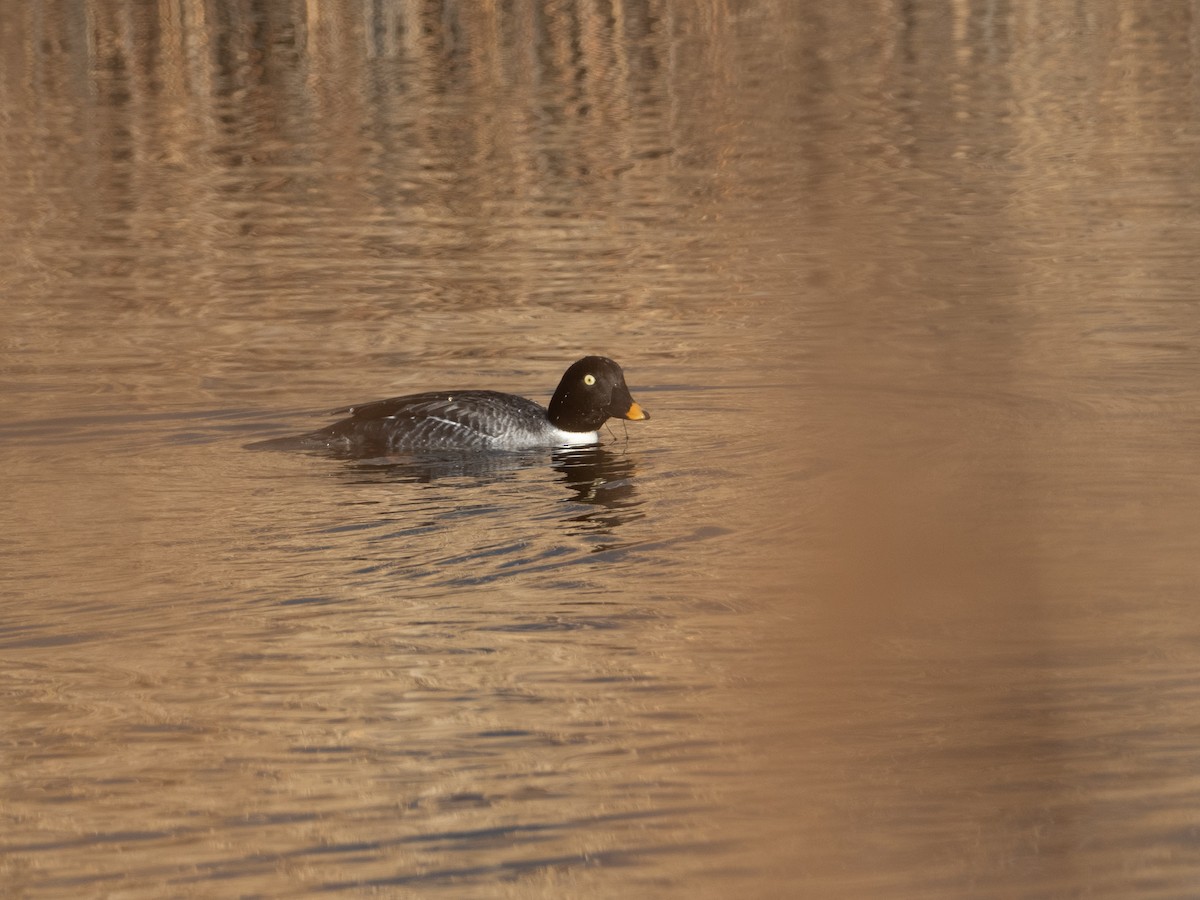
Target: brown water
x=894 y=596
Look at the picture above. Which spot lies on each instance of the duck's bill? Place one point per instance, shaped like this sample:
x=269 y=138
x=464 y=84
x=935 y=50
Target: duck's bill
x=635 y=412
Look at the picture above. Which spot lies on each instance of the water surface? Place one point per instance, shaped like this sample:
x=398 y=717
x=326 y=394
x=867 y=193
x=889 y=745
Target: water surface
x=893 y=596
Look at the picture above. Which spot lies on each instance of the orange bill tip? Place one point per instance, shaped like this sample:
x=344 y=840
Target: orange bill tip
x=636 y=412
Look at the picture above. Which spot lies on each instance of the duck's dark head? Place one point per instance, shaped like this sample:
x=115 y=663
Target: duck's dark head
x=591 y=392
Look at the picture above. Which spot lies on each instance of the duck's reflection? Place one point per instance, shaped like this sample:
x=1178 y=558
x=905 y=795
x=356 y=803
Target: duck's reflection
x=605 y=482
x=595 y=476
x=477 y=468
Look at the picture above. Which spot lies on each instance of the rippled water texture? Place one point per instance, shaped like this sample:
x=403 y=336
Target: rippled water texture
x=893 y=596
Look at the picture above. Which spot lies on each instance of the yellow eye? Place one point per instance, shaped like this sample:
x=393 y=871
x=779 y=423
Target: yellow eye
x=589 y=380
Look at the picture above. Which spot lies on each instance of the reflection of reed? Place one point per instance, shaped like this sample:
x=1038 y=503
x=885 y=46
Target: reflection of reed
x=509 y=148
x=519 y=84
x=512 y=135
x=189 y=82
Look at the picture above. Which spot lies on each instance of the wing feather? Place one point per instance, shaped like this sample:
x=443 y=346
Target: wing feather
x=435 y=421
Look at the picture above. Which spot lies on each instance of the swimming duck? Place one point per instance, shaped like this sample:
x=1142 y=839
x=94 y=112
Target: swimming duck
x=591 y=391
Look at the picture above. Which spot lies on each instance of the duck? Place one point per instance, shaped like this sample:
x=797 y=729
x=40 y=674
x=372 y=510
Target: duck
x=591 y=391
